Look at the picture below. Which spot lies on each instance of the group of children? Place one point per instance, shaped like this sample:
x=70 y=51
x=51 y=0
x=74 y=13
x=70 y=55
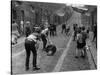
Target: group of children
x=65 y=29
x=80 y=36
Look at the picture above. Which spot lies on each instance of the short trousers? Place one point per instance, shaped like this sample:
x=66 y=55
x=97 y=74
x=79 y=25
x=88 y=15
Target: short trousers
x=81 y=45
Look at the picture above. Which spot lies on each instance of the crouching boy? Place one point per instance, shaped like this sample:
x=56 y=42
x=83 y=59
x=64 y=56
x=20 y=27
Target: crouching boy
x=30 y=46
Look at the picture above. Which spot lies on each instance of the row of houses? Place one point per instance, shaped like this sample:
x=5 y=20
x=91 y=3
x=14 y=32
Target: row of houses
x=38 y=13
x=88 y=15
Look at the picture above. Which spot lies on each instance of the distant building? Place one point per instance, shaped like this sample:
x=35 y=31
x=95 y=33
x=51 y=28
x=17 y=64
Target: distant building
x=22 y=11
x=37 y=14
x=89 y=16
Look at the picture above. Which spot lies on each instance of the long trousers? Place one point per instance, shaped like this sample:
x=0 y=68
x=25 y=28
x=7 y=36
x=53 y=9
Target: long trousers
x=30 y=47
x=75 y=35
x=44 y=43
x=43 y=37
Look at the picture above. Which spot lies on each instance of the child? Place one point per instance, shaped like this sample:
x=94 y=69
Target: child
x=81 y=42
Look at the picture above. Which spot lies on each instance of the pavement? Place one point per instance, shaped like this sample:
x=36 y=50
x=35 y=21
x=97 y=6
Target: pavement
x=19 y=41
x=92 y=52
x=63 y=60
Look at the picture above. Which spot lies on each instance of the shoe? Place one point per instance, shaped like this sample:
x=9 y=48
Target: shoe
x=36 y=68
x=76 y=57
x=27 y=68
x=83 y=56
x=73 y=39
